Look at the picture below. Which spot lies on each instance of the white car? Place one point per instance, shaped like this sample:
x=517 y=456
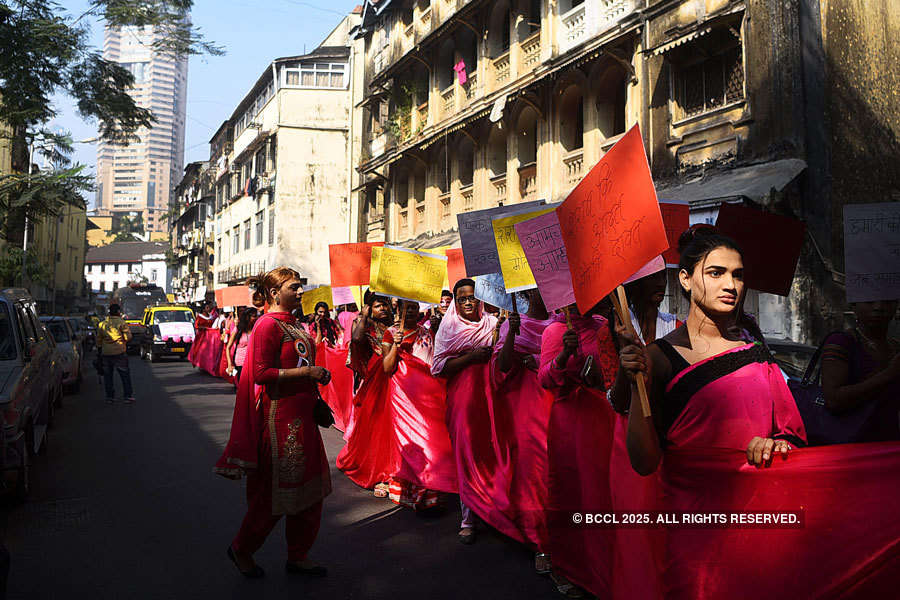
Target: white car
x=69 y=348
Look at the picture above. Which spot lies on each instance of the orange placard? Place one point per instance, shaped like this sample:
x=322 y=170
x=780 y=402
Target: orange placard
x=350 y=263
x=456 y=266
x=611 y=223
x=236 y=295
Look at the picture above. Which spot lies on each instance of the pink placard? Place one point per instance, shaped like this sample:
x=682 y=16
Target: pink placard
x=342 y=295
x=654 y=266
x=543 y=245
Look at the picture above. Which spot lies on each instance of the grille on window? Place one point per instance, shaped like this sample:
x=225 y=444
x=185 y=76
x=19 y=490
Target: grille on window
x=692 y=90
x=734 y=76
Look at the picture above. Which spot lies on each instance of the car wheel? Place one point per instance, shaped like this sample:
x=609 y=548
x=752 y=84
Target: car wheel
x=143 y=353
x=152 y=355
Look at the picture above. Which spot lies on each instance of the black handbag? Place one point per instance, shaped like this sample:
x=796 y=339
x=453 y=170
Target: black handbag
x=322 y=414
x=822 y=426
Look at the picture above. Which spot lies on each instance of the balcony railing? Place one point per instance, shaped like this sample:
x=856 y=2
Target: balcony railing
x=421 y=117
x=404 y=221
x=574 y=162
x=468 y=198
x=528 y=182
x=448 y=101
x=409 y=37
x=470 y=89
x=445 y=208
x=425 y=22
x=612 y=11
x=531 y=52
x=574 y=29
x=499 y=183
x=377 y=145
x=500 y=67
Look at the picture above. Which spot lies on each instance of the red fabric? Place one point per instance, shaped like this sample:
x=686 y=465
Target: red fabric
x=418 y=410
x=370 y=455
x=848 y=548
x=206 y=351
x=339 y=393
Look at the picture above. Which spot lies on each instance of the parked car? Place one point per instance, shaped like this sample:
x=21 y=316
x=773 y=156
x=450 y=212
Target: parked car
x=792 y=357
x=79 y=328
x=166 y=330
x=27 y=391
x=69 y=347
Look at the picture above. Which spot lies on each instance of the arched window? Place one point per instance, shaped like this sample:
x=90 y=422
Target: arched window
x=498 y=30
x=526 y=137
x=465 y=160
x=611 y=102
x=571 y=119
x=497 y=151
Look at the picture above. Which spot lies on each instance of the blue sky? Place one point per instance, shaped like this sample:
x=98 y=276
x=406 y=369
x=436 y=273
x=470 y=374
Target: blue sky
x=252 y=33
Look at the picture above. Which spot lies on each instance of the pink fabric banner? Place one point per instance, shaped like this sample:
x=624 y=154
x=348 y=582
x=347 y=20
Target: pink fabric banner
x=206 y=351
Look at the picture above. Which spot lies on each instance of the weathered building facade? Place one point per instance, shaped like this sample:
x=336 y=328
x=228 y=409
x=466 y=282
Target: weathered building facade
x=191 y=233
x=472 y=104
x=281 y=165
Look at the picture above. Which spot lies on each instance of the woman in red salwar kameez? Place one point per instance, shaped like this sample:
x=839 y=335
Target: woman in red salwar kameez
x=274 y=437
x=711 y=393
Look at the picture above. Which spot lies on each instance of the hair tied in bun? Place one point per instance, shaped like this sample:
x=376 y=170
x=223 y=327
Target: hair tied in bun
x=693 y=232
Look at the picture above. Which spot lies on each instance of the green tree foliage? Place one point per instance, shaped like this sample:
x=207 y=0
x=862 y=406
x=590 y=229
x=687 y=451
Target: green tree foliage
x=11 y=267
x=45 y=52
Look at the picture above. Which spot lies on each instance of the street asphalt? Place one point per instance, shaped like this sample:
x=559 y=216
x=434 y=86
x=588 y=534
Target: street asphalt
x=125 y=505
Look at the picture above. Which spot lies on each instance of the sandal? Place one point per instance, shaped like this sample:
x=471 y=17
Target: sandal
x=542 y=563
x=255 y=573
x=566 y=587
x=467 y=536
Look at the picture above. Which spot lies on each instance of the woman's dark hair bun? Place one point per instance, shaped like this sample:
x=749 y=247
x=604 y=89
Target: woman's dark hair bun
x=693 y=232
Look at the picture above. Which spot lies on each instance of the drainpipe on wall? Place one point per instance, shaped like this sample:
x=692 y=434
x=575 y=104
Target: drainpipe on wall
x=350 y=165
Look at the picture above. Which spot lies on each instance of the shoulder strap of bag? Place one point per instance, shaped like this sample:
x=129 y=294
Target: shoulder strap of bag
x=814 y=368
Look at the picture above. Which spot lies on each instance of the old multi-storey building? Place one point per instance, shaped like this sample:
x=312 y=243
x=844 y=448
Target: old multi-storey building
x=191 y=233
x=470 y=104
x=281 y=165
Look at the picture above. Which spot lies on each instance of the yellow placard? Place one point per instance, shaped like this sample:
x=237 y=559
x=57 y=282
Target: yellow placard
x=373 y=266
x=410 y=275
x=517 y=275
x=314 y=296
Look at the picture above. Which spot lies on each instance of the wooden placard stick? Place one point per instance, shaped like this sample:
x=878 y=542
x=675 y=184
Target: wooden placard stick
x=568 y=317
x=515 y=306
x=620 y=300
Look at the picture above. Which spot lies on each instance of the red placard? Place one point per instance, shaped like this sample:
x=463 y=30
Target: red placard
x=235 y=295
x=771 y=245
x=676 y=217
x=611 y=223
x=456 y=265
x=350 y=263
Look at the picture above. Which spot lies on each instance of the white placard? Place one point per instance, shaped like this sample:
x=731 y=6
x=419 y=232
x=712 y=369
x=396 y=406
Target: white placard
x=872 y=251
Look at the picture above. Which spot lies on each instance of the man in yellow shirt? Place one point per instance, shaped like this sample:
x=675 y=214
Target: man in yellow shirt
x=113 y=335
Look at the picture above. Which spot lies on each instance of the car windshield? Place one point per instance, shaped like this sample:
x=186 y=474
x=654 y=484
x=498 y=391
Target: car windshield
x=7 y=338
x=58 y=330
x=171 y=316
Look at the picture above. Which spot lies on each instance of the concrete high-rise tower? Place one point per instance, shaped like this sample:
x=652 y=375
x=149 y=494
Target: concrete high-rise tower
x=140 y=178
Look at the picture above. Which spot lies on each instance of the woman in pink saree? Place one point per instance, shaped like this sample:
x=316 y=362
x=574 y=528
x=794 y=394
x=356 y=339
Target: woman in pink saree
x=520 y=416
x=711 y=393
x=418 y=402
x=462 y=350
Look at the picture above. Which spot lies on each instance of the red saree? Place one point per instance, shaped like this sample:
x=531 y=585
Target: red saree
x=206 y=351
x=370 y=455
x=419 y=410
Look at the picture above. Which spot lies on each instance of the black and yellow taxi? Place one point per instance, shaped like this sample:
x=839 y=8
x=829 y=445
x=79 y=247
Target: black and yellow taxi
x=167 y=330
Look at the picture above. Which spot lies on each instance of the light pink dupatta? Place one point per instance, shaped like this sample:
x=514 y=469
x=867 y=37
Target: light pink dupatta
x=457 y=336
